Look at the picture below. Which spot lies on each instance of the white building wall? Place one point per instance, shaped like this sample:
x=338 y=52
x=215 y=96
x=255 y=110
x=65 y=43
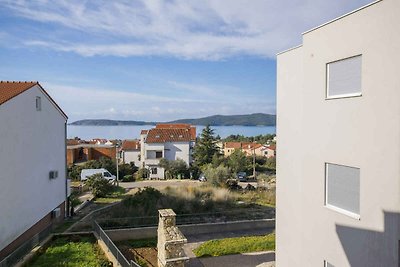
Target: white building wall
x=132 y=156
x=362 y=132
x=32 y=143
x=171 y=151
x=177 y=150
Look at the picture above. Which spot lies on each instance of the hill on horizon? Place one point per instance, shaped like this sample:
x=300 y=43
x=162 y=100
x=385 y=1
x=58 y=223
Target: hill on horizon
x=255 y=119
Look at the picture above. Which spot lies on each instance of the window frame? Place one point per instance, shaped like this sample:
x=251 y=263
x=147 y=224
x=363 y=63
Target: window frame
x=335 y=208
x=350 y=95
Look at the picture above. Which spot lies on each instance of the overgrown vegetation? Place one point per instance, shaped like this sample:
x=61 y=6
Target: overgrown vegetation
x=142 y=208
x=236 y=245
x=75 y=251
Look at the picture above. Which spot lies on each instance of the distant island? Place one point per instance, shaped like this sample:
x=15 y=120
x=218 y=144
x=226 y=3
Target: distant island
x=255 y=119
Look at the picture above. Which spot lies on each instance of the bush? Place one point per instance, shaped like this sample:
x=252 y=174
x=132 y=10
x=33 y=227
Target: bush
x=100 y=186
x=125 y=169
x=128 y=178
x=232 y=184
x=142 y=173
x=217 y=176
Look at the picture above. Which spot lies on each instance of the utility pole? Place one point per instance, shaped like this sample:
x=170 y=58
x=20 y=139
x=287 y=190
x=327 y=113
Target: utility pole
x=254 y=163
x=116 y=160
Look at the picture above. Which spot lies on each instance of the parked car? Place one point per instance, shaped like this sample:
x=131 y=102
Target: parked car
x=202 y=178
x=241 y=176
x=86 y=173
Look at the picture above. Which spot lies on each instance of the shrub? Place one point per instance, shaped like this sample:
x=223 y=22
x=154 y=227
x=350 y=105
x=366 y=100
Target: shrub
x=217 y=176
x=141 y=174
x=100 y=186
x=128 y=178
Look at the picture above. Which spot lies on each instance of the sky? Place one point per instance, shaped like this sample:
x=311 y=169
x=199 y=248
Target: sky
x=156 y=60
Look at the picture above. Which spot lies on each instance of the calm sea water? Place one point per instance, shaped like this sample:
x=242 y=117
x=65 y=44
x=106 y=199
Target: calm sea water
x=133 y=132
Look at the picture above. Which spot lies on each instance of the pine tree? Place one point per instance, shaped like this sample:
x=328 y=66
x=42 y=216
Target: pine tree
x=205 y=147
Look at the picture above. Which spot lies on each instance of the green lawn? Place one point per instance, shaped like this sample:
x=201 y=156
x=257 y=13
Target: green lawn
x=73 y=251
x=236 y=245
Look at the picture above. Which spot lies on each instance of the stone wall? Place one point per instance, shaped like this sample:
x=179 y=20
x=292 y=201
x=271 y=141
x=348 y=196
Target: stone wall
x=170 y=241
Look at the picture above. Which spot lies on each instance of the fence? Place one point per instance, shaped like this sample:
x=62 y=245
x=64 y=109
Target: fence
x=185 y=219
x=112 y=247
x=26 y=247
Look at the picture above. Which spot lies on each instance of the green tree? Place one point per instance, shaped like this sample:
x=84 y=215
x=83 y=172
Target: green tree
x=237 y=161
x=174 y=168
x=100 y=186
x=205 y=147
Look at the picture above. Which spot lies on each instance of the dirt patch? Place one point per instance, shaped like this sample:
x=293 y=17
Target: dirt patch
x=142 y=256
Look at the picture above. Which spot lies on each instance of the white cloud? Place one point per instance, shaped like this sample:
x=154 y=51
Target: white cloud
x=206 y=30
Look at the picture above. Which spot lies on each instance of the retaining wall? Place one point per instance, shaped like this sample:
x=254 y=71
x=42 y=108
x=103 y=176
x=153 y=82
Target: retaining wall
x=191 y=229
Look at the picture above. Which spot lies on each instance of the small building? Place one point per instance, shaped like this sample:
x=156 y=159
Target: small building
x=130 y=152
x=169 y=141
x=248 y=148
x=82 y=152
x=33 y=185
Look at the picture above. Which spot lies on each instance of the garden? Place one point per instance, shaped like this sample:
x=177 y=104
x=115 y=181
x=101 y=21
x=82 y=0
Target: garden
x=71 y=251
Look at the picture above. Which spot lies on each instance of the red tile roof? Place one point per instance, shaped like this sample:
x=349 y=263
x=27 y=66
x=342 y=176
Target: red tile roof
x=10 y=89
x=158 y=135
x=191 y=128
x=233 y=145
x=272 y=147
x=130 y=145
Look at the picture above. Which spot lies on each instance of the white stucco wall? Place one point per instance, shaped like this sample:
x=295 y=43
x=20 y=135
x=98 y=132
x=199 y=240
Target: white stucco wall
x=362 y=132
x=132 y=156
x=32 y=143
x=177 y=150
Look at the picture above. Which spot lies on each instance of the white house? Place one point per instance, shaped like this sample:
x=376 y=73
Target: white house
x=130 y=152
x=33 y=185
x=338 y=196
x=169 y=141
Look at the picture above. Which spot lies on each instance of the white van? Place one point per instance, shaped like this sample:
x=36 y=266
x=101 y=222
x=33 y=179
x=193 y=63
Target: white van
x=86 y=173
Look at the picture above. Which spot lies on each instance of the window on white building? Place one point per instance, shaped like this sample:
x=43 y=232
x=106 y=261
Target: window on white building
x=342 y=189
x=153 y=170
x=38 y=103
x=344 y=78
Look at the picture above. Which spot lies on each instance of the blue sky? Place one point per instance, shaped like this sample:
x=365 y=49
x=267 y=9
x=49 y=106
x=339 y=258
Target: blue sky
x=156 y=60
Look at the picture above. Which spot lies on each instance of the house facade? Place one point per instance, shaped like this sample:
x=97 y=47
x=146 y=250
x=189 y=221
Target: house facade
x=338 y=196
x=130 y=152
x=33 y=185
x=249 y=149
x=169 y=141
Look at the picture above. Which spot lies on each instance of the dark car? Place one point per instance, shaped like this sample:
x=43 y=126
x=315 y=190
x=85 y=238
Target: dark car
x=241 y=176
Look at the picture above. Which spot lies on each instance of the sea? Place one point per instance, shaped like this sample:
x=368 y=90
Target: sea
x=133 y=131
